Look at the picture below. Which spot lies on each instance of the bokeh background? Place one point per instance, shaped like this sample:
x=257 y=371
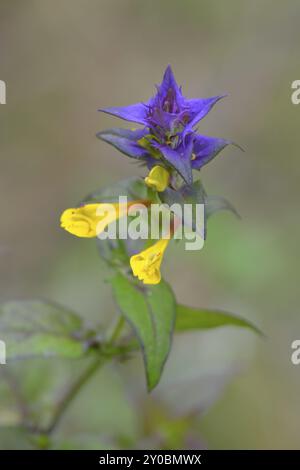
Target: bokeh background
x=62 y=60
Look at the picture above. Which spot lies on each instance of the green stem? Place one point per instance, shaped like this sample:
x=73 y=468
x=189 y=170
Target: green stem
x=116 y=331
x=75 y=388
x=73 y=391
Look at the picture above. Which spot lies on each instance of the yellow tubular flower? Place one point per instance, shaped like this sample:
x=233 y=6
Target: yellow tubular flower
x=158 y=178
x=91 y=219
x=146 y=265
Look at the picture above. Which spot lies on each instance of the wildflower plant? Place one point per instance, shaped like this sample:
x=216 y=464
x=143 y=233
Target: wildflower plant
x=169 y=146
x=172 y=152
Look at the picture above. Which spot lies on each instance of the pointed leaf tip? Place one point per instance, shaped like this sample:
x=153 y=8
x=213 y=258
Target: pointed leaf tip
x=189 y=319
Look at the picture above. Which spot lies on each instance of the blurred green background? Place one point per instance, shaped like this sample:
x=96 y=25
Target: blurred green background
x=62 y=60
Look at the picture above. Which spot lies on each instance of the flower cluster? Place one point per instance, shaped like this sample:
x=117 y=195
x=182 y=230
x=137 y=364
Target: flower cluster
x=168 y=137
x=169 y=145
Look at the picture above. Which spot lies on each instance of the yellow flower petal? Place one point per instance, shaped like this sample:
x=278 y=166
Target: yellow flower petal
x=91 y=219
x=80 y=221
x=158 y=178
x=146 y=265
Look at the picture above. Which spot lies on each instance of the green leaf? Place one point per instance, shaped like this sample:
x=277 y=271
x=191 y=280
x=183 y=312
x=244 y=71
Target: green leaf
x=194 y=194
x=189 y=318
x=151 y=313
x=134 y=188
x=215 y=204
x=37 y=328
x=171 y=196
